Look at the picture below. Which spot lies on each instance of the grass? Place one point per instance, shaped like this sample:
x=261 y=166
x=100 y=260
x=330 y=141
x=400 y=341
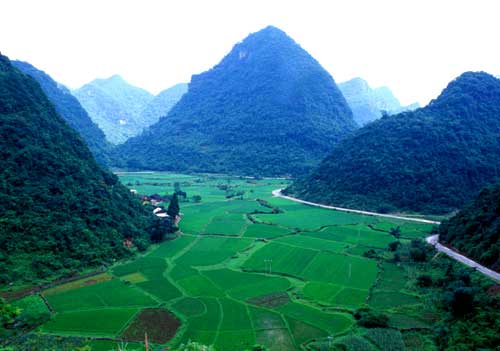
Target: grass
x=333 y=323
x=391 y=299
x=286 y=259
x=235 y=340
x=235 y=315
x=80 y=283
x=244 y=285
x=161 y=288
x=263 y=319
x=319 y=291
x=275 y=339
x=110 y=322
x=304 y=240
x=210 y=320
x=303 y=332
x=112 y=293
x=212 y=250
x=386 y=339
x=170 y=248
x=190 y=307
x=198 y=285
x=239 y=274
x=264 y=231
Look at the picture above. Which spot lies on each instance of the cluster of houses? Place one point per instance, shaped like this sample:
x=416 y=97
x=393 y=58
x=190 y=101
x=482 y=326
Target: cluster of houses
x=154 y=200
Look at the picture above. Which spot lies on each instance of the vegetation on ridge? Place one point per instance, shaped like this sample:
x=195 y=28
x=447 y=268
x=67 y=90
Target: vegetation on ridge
x=431 y=160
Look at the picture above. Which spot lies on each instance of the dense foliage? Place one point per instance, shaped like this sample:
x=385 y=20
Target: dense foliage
x=162 y=104
x=367 y=104
x=432 y=160
x=59 y=210
x=475 y=230
x=70 y=109
x=115 y=106
x=268 y=108
x=471 y=319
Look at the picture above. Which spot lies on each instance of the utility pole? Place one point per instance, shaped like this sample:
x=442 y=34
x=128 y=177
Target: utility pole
x=350 y=269
x=329 y=337
x=270 y=262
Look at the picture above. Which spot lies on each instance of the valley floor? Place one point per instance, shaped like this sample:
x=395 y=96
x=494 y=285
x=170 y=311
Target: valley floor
x=252 y=268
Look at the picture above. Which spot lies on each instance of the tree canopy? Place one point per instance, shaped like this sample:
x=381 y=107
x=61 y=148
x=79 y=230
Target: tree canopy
x=268 y=108
x=432 y=160
x=59 y=210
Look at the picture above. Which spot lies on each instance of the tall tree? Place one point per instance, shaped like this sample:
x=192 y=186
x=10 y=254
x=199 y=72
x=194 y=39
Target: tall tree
x=173 y=207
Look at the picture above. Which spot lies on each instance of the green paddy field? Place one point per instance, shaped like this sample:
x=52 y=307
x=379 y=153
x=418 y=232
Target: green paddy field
x=247 y=268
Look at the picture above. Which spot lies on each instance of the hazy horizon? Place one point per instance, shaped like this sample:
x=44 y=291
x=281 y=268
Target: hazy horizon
x=413 y=47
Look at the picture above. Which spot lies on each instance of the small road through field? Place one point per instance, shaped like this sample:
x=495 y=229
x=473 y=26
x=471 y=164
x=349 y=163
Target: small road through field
x=432 y=240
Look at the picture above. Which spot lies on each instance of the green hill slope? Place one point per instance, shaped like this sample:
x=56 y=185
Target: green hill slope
x=162 y=103
x=268 y=108
x=70 y=109
x=59 y=210
x=432 y=160
x=475 y=230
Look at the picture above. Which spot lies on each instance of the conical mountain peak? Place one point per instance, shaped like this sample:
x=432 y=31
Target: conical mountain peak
x=268 y=108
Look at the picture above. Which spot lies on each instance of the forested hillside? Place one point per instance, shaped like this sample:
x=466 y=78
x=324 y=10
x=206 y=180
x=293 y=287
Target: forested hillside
x=70 y=109
x=432 y=160
x=268 y=108
x=162 y=103
x=59 y=210
x=115 y=106
x=475 y=230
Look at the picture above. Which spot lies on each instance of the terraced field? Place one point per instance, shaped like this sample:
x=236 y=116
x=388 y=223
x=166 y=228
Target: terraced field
x=247 y=268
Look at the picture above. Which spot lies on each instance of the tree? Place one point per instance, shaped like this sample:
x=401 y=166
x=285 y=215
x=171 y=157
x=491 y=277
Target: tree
x=196 y=198
x=158 y=231
x=424 y=281
x=462 y=301
x=8 y=314
x=173 y=207
x=370 y=319
x=394 y=245
x=396 y=232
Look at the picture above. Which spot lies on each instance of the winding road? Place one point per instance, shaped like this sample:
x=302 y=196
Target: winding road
x=431 y=240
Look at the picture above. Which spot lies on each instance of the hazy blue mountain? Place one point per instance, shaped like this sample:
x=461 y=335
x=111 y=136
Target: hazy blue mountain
x=115 y=106
x=70 y=109
x=367 y=104
x=433 y=159
x=60 y=211
x=267 y=108
x=163 y=103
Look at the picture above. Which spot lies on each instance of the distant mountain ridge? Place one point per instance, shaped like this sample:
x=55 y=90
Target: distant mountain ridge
x=268 y=108
x=431 y=160
x=122 y=110
x=60 y=211
x=367 y=104
x=115 y=106
x=70 y=109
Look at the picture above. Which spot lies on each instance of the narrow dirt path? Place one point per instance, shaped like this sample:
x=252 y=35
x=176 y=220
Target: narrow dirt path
x=432 y=240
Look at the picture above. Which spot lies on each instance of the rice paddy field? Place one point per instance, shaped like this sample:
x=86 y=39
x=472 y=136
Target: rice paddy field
x=247 y=268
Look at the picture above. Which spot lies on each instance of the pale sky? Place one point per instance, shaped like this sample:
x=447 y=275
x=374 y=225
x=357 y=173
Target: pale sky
x=414 y=47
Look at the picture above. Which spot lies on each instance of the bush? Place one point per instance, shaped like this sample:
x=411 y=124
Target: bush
x=424 y=281
x=394 y=245
x=370 y=319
